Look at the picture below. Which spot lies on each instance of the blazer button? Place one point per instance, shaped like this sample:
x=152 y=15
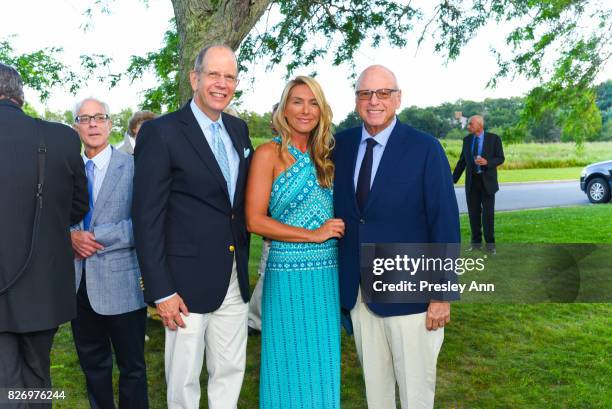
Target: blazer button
x=232 y=248
x=233 y=216
x=362 y=221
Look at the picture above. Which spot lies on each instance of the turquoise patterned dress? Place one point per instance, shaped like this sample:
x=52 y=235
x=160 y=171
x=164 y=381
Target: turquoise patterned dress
x=300 y=346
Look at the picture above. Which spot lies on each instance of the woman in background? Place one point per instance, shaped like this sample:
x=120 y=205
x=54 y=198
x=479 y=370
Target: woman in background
x=136 y=121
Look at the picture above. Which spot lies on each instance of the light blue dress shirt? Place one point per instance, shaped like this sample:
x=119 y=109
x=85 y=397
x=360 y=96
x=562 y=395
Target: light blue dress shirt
x=101 y=161
x=232 y=156
x=480 y=139
x=377 y=152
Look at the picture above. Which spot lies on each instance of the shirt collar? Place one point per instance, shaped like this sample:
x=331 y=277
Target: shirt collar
x=101 y=159
x=480 y=135
x=382 y=137
x=202 y=118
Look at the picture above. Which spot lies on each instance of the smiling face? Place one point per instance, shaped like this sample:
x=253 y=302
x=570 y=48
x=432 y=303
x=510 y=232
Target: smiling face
x=93 y=134
x=302 y=110
x=377 y=113
x=214 y=86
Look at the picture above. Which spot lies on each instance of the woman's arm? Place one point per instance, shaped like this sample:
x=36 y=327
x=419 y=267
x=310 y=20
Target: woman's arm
x=259 y=186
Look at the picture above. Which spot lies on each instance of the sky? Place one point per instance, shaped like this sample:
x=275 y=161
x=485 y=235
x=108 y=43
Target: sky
x=134 y=28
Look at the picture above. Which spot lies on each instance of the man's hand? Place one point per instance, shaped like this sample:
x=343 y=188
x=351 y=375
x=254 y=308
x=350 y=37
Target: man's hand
x=170 y=312
x=84 y=243
x=481 y=161
x=438 y=315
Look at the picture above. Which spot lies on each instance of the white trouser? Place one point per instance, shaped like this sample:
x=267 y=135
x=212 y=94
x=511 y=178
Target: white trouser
x=255 y=303
x=223 y=335
x=396 y=349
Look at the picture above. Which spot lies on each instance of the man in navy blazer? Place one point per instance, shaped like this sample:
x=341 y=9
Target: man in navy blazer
x=392 y=185
x=191 y=237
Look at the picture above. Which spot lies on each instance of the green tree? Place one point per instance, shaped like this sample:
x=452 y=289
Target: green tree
x=576 y=32
x=351 y=121
x=426 y=120
x=259 y=125
x=120 y=124
x=65 y=117
x=43 y=70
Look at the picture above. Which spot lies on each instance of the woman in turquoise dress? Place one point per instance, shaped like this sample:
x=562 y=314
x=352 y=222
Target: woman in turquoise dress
x=289 y=200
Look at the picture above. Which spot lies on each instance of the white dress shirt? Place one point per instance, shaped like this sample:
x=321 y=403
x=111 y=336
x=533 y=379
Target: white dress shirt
x=381 y=138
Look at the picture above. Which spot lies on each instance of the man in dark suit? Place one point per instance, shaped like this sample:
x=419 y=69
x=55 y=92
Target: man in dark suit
x=482 y=153
x=392 y=185
x=36 y=301
x=191 y=237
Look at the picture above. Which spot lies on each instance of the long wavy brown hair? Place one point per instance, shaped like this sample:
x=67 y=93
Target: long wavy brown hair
x=321 y=140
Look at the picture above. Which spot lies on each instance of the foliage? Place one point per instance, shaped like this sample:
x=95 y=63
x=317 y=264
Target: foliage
x=42 y=70
x=505 y=117
x=426 y=120
x=29 y=110
x=65 y=117
x=578 y=114
x=562 y=44
x=259 y=125
x=164 y=63
x=352 y=120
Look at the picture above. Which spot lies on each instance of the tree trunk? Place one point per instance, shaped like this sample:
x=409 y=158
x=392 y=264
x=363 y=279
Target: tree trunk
x=202 y=22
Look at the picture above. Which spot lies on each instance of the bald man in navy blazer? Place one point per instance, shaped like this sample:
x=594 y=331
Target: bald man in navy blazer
x=392 y=185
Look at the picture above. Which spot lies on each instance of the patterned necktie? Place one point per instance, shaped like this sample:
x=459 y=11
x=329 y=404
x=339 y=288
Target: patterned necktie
x=89 y=169
x=365 y=174
x=221 y=154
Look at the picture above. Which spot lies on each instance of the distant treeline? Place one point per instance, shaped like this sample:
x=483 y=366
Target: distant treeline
x=442 y=121
x=501 y=116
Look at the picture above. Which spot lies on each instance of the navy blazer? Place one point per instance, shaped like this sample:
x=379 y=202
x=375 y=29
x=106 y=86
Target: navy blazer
x=187 y=232
x=412 y=201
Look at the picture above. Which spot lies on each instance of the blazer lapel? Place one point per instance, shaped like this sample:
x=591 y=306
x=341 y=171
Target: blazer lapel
x=388 y=163
x=196 y=137
x=233 y=132
x=113 y=174
x=355 y=141
x=469 y=152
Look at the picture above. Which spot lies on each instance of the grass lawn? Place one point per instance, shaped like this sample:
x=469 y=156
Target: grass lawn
x=494 y=356
x=541 y=155
x=534 y=175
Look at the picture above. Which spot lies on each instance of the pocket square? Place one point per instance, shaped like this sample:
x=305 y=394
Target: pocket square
x=247 y=152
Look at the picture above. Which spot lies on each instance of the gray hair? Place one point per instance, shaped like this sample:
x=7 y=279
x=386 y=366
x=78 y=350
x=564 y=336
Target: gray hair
x=478 y=118
x=11 y=85
x=377 y=67
x=79 y=105
x=199 y=61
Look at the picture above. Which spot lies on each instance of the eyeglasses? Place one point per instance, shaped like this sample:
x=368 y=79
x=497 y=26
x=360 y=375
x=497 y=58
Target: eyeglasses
x=85 y=119
x=217 y=77
x=383 y=93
